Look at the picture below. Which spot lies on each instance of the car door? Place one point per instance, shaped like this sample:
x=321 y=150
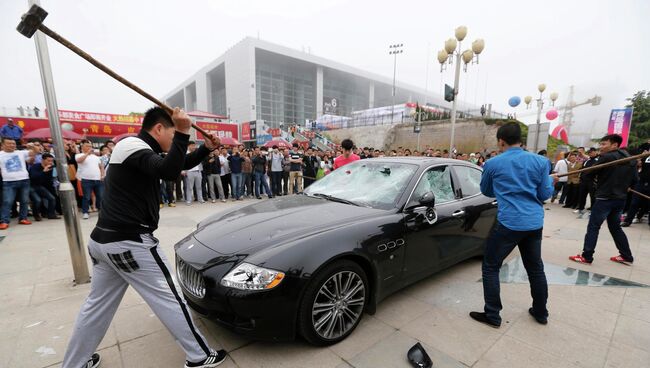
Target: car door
x=430 y=241
x=478 y=211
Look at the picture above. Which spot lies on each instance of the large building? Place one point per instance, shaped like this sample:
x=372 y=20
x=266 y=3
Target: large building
x=259 y=80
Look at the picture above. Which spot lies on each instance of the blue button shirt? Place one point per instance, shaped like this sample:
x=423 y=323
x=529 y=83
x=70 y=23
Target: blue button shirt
x=14 y=132
x=520 y=182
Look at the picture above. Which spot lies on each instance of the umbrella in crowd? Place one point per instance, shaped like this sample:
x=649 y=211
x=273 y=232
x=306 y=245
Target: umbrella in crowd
x=45 y=133
x=278 y=142
x=123 y=135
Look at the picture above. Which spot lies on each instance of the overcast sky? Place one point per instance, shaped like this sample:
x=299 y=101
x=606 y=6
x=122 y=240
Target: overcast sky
x=601 y=47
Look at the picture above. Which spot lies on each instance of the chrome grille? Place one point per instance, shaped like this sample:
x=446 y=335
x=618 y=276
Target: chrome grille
x=190 y=279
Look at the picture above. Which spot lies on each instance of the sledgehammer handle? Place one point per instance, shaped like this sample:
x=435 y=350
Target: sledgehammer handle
x=611 y=163
x=58 y=38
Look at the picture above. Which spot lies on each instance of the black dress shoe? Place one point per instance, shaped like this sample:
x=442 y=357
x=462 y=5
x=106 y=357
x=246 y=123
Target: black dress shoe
x=480 y=317
x=541 y=321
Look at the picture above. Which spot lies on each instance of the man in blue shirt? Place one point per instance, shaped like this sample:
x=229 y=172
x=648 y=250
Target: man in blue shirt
x=520 y=182
x=11 y=130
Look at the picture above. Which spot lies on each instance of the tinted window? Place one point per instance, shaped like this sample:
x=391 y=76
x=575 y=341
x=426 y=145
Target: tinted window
x=469 y=180
x=438 y=181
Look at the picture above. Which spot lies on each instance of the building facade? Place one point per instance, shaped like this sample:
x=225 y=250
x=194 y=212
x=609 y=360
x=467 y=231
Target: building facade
x=259 y=80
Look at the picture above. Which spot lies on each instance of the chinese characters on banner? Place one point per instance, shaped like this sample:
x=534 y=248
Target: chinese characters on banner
x=620 y=121
x=219 y=129
x=98 y=117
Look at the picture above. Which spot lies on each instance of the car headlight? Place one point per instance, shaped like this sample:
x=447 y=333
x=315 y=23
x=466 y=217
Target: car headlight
x=250 y=277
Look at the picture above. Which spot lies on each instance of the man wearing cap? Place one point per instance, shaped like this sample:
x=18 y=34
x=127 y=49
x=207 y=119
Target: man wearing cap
x=11 y=130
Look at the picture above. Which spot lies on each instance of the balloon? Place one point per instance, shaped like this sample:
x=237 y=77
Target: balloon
x=551 y=114
x=514 y=101
x=66 y=126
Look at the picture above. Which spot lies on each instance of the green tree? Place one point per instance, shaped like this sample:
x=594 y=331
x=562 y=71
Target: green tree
x=640 y=131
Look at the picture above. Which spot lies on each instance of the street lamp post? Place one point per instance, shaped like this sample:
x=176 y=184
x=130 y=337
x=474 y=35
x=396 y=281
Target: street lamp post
x=394 y=50
x=540 y=106
x=66 y=190
x=446 y=56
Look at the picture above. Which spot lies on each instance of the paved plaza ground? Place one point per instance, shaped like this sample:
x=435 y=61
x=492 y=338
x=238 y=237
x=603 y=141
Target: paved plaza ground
x=588 y=327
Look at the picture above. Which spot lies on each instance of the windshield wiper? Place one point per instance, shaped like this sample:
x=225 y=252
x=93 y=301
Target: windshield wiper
x=335 y=199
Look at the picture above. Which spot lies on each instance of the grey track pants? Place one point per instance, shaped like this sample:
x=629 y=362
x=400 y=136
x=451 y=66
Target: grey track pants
x=192 y=183
x=143 y=266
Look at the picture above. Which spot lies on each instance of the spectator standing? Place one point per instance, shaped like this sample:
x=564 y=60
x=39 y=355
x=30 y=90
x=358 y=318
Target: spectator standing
x=259 y=170
x=286 y=169
x=612 y=184
x=276 y=171
x=347 y=156
x=11 y=130
x=586 y=186
x=214 y=179
x=643 y=187
x=15 y=181
x=225 y=172
x=237 y=179
x=36 y=111
x=91 y=174
x=295 y=170
x=247 y=172
x=573 y=182
x=193 y=179
x=42 y=182
x=561 y=167
x=310 y=167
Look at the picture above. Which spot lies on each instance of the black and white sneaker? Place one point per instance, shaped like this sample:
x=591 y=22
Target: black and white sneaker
x=94 y=361
x=214 y=359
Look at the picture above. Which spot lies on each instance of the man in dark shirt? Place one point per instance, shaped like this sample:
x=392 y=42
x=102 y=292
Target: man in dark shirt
x=586 y=185
x=122 y=246
x=643 y=187
x=310 y=167
x=236 y=176
x=295 y=171
x=259 y=170
x=40 y=177
x=612 y=184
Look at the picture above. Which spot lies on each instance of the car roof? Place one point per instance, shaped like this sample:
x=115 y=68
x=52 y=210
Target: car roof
x=421 y=161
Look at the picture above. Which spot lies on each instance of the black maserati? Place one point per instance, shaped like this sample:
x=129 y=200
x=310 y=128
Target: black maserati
x=312 y=263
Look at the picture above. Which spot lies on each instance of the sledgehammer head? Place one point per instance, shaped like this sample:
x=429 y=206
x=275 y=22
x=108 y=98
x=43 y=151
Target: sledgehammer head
x=31 y=20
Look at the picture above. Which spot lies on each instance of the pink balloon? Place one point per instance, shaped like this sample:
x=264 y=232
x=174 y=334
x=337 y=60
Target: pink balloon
x=551 y=114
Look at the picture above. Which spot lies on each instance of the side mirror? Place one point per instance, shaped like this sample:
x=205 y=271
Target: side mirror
x=428 y=199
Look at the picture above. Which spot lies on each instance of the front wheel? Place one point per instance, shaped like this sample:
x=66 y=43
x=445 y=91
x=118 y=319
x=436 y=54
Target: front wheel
x=333 y=303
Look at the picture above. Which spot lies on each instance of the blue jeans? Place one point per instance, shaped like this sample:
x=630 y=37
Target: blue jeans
x=11 y=189
x=499 y=244
x=260 y=182
x=40 y=194
x=87 y=186
x=609 y=210
x=236 y=182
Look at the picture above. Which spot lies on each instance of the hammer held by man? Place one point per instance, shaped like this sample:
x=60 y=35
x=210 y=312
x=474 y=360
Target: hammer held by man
x=32 y=21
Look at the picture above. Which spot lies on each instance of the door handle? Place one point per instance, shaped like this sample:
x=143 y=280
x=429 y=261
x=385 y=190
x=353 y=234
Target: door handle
x=494 y=203
x=458 y=213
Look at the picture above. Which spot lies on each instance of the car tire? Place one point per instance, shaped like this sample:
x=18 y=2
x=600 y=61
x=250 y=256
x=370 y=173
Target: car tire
x=313 y=322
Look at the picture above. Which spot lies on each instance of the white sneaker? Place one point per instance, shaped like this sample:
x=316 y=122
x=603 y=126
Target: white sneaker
x=214 y=201
x=86 y=216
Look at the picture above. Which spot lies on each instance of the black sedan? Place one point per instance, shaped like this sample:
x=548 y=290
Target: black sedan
x=312 y=263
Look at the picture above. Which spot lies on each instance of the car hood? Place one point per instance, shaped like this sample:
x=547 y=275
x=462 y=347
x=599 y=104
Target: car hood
x=275 y=221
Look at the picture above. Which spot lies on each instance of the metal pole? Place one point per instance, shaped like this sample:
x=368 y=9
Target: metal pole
x=453 y=104
x=392 y=108
x=66 y=190
x=540 y=105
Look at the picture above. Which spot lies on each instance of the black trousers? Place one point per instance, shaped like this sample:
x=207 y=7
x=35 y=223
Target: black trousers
x=584 y=190
x=225 y=182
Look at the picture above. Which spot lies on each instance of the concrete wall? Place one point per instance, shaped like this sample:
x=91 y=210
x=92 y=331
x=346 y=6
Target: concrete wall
x=470 y=135
x=240 y=81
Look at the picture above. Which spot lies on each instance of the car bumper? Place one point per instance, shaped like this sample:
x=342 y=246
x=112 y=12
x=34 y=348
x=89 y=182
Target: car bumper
x=265 y=315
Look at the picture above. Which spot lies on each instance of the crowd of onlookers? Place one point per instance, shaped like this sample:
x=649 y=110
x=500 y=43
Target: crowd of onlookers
x=29 y=175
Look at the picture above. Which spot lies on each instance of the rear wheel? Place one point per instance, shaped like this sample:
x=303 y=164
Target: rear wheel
x=333 y=304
